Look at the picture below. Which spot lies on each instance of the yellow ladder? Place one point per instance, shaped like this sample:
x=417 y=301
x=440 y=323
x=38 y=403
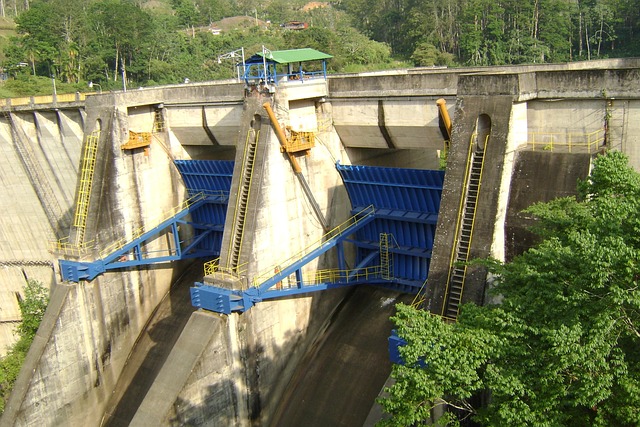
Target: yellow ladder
x=158 y=121
x=86 y=181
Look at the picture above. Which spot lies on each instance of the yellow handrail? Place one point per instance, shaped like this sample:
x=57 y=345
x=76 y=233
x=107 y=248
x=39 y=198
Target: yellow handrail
x=334 y=275
x=549 y=141
x=419 y=299
x=299 y=141
x=268 y=273
x=213 y=266
x=459 y=220
x=65 y=247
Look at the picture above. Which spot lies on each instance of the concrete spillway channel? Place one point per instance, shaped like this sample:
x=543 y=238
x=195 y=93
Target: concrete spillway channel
x=340 y=377
x=335 y=384
x=151 y=350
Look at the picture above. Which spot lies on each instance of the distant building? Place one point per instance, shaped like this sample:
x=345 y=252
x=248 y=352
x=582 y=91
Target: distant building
x=295 y=25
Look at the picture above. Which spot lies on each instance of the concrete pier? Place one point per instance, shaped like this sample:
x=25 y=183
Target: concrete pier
x=543 y=125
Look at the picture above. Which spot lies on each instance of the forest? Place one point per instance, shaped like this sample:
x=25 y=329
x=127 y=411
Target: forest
x=151 y=42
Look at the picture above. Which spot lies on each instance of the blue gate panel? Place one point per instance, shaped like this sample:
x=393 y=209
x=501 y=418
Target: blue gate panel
x=209 y=177
x=206 y=175
x=407 y=202
x=406 y=189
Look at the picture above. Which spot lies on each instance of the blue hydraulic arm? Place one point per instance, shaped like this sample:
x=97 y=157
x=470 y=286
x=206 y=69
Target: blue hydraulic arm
x=226 y=301
x=132 y=254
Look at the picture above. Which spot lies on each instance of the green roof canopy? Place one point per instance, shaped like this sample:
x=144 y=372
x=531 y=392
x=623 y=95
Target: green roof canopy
x=295 y=55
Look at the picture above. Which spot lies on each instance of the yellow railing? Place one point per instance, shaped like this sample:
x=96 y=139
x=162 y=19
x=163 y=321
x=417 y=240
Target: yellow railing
x=332 y=276
x=155 y=221
x=567 y=141
x=137 y=140
x=419 y=299
x=213 y=266
x=266 y=274
x=65 y=247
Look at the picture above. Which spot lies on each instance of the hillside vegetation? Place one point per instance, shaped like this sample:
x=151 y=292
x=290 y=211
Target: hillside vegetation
x=161 y=42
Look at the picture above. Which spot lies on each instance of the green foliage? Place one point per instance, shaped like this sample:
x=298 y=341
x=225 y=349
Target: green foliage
x=100 y=40
x=486 y=32
x=427 y=55
x=561 y=347
x=32 y=307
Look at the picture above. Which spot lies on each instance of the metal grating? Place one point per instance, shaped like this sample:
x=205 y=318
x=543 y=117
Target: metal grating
x=206 y=176
x=210 y=177
x=407 y=202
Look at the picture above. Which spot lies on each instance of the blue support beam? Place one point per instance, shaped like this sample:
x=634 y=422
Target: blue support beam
x=395 y=342
x=132 y=254
x=324 y=247
x=223 y=300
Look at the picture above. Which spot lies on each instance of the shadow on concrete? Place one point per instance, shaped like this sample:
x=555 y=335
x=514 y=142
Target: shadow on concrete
x=152 y=349
x=338 y=380
x=335 y=384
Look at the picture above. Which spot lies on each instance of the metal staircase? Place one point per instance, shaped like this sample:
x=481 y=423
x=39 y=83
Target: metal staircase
x=158 y=121
x=86 y=181
x=37 y=177
x=464 y=234
x=242 y=201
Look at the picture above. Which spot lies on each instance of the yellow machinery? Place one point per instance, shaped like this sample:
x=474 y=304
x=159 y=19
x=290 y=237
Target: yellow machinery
x=138 y=140
x=299 y=141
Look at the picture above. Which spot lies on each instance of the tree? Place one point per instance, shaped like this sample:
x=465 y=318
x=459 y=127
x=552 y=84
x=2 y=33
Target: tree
x=427 y=55
x=32 y=307
x=561 y=347
x=123 y=31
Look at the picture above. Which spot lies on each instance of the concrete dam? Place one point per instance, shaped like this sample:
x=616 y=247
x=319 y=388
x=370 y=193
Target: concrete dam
x=108 y=183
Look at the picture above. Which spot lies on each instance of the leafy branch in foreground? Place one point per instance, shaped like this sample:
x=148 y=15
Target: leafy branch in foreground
x=561 y=348
x=32 y=308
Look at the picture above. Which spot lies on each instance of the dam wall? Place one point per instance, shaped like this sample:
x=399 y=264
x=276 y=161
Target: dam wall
x=95 y=324
x=40 y=153
x=238 y=369
x=543 y=124
x=241 y=364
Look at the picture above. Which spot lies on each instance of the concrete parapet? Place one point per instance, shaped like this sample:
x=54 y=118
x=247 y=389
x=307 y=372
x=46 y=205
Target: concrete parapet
x=438 y=83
